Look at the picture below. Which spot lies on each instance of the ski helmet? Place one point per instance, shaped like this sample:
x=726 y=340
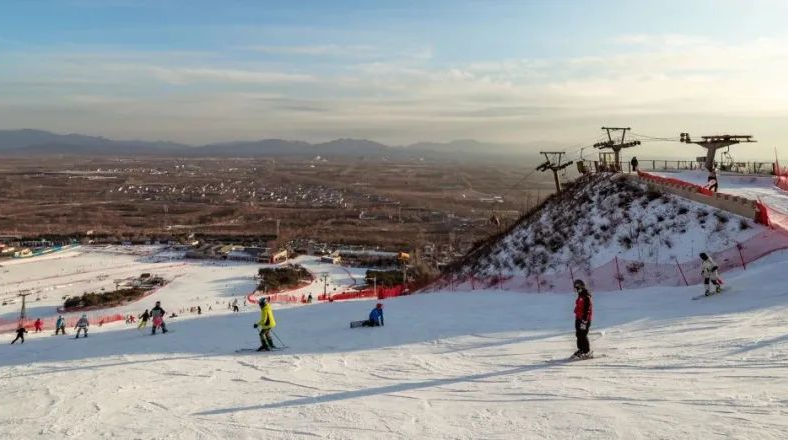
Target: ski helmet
x=703 y=256
x=84 y=315
x=379 y=306
x=261 y=301
x=579 y=284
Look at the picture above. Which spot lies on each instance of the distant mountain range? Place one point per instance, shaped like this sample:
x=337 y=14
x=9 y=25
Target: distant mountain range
x=39 y=142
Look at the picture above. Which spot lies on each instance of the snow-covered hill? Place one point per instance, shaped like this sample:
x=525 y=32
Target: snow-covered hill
x=603 y=216
x=445 y=366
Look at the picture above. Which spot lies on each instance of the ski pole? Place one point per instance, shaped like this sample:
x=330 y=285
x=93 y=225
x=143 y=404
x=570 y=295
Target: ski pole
x=278 y=339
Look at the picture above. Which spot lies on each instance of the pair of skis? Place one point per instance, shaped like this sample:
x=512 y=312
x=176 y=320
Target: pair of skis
x=254 y=350
x=281 y=346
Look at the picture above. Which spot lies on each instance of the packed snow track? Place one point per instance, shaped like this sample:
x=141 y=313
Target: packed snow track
x=445 y=366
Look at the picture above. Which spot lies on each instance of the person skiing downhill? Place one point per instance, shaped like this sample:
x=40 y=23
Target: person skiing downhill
x=583 y=314
x=144 y=319
x=266 y=324
x=709 y=272
x=157 y=316
x=82 y=326
x=375 y=317
x=60 y=325
x=20 y=334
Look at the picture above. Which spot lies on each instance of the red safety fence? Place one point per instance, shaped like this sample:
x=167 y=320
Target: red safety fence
x=379 y=293
x=49 y=322
x=781 y=182
x=672 y=181
x=619 y=274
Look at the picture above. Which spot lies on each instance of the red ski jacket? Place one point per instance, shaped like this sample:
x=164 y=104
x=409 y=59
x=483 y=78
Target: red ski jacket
x=584 y=309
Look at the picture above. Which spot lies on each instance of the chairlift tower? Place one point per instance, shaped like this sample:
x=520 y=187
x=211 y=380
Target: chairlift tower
x=24 y=294
x=324 y=276
x=714 y=143
x=553 y=163
x=616 y=144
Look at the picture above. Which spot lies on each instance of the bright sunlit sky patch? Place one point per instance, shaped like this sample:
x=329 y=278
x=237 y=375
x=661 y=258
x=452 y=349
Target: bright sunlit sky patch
x=397 y=72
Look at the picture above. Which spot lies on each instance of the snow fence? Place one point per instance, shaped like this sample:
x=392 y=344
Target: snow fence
x=9 y=325
x=619 y=274
x=379 y=293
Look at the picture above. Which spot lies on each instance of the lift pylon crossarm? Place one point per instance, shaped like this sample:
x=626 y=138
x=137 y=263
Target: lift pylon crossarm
x=553 y=163
x=715 y=142
x=616 y=145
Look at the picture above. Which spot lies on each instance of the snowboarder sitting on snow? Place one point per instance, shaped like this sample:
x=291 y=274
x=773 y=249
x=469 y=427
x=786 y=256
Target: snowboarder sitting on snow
x=375 y=317
x=266 y=324
x=60 y=325
x=144 y=319
x=157 y=315
x=709 y=271
x=82 y=325
x=583 y=314
x=20 y=334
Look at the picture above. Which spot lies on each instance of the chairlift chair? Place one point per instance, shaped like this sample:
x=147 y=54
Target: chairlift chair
x=726 y=160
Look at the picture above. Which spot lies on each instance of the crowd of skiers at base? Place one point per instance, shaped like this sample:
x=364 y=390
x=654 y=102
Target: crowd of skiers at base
x=131 y=319
x=60 y=327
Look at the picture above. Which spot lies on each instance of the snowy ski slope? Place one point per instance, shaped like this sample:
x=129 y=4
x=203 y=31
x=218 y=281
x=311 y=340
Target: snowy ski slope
x=752 y=187
x=194 y=282
x=446 y=366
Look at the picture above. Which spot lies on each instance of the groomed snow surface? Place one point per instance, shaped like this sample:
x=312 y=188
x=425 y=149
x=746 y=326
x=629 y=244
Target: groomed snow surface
x=475 y=365
x=751 y=187
x=209 y=284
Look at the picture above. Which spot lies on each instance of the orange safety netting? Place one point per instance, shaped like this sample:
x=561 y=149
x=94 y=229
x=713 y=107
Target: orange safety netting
x=49 y=322
x=379 y=293
x=619 y=274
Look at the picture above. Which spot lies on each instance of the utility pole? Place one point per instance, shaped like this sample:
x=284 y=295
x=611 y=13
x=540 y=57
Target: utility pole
x=23 y=313
x=405 y=275
x=616 y=145
x=375 y=286
x=553 y=163
x=714 y=143
x=324 y=277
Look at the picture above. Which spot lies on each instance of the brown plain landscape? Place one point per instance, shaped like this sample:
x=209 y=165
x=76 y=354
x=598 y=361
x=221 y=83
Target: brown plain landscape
x=391 y=204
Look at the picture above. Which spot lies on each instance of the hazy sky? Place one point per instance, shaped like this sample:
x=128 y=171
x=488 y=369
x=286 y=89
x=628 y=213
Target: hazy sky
x=397 y=72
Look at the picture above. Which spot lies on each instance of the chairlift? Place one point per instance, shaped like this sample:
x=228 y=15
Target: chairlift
x=726 y=160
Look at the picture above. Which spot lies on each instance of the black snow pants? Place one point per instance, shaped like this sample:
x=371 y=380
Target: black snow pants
x=265 y=338
x=582 y=337
x=18 y=337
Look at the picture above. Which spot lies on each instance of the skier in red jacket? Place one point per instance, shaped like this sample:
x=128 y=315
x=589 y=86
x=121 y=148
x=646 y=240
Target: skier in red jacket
x=583 y=313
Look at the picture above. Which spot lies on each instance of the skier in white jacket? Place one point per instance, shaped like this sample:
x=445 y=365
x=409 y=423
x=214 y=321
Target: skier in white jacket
x=82 y=325
x=709 y=271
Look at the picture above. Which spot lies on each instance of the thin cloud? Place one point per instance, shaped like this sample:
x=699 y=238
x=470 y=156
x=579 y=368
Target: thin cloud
x=316 y=50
